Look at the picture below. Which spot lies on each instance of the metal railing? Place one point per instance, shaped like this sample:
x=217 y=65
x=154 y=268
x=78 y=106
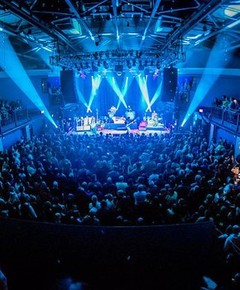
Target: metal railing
x=224 y=117
x=14 y=120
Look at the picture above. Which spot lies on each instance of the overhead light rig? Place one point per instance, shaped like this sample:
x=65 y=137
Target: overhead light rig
x=120 y=61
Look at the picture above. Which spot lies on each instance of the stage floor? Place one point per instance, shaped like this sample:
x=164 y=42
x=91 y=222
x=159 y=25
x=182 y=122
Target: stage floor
x=120 y=132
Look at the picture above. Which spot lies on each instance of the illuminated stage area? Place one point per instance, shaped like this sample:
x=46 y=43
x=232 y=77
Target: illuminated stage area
x=116 y=125
x=122 y=104
x=124 y=131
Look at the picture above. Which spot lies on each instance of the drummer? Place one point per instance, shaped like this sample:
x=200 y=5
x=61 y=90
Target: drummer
x=129 y=109
x=112 y=111
x=129 y=113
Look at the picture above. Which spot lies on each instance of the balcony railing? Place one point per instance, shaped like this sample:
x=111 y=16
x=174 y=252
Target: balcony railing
x=13 y=120
x=224 y=117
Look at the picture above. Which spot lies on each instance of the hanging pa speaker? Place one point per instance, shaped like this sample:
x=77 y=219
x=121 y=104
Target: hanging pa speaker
x=170 y=78
x=68 y=86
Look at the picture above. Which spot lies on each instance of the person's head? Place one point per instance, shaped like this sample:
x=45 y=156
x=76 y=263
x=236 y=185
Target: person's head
x=94 y=198
x=236 y=280
x=55 y=184
x=109 y=179
x=140 y=187
x=109 y=196
x=236 y=229
x=121 y=178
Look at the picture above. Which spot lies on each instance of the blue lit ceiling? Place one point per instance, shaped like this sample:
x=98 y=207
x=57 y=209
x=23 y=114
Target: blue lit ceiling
x=157 y=32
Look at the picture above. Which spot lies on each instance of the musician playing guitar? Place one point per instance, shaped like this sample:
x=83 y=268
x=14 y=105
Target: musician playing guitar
x=128 y=122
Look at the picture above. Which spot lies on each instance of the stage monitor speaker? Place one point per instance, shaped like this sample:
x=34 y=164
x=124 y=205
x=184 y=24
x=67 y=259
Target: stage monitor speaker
x=170 y=78
x=68 y=86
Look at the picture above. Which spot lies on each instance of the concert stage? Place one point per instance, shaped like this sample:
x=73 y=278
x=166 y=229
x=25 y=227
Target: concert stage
x=138 y=131
x=118 y=125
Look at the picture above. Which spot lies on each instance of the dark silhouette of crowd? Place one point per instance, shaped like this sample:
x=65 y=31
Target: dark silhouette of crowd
x=115 y=180
x=8 y=108
x=121 y=180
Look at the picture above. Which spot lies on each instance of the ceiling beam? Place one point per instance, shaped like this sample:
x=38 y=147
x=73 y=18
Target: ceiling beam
x=93 y=7
x=26 y=14
x=203 y=11
x=155 y=8
x=78 y=17
x=21 y=36
x=115 y=17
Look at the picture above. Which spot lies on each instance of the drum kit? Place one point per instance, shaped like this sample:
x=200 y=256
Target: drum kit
x=154 y=120
x=130 y=115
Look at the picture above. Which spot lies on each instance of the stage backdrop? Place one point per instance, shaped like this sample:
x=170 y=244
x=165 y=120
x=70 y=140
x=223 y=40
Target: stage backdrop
x=107 y=92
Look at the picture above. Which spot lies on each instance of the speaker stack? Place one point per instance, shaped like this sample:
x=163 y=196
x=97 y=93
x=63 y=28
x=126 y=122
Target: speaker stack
x=170 y=78
x=68 y=86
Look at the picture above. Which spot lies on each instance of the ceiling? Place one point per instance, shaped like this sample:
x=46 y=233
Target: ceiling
x=92 y=35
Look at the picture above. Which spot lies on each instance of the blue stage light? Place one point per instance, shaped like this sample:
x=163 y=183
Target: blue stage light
x=78 y=85
x=116 y=89
x=142 y=82
x=15 y=70
x=96 y=81
x=217 y=63
x=157 y=95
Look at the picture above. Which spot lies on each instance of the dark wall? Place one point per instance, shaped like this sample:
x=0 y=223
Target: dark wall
x=225 y=85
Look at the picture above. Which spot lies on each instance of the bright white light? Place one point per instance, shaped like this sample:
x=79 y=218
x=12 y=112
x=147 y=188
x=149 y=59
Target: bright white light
x=194 y=36
x=232 y=10
x=234 y=23
x=15 y=70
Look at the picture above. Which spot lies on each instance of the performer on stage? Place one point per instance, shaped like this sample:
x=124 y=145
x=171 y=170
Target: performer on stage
x=129 y=109
x=128 y=122
x=155 y=118
x=112 y=111
x=130 y=113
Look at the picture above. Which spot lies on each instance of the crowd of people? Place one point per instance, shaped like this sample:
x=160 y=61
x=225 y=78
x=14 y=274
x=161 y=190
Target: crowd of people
x=105 y=179
x=227 y=103
x=124 y=180
x=7 y=110
x=159 y=178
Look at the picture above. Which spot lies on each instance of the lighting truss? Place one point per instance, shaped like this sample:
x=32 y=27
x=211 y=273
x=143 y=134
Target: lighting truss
x=134 y=62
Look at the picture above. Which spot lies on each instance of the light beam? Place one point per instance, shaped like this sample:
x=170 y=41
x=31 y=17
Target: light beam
x=116 y=89
x=142 y=82
x=15 y=70
x=157 y=95
x=217 y=62
x=96 y=81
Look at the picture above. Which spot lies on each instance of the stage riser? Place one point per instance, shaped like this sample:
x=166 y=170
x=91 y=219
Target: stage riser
x=112 y=126
x=83 y=128
x=155 y=128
